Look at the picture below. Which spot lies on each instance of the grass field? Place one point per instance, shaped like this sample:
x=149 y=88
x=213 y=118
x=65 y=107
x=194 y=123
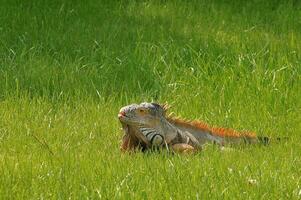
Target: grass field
x=66 y=69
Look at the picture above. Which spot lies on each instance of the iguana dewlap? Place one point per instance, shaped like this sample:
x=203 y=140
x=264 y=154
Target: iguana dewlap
x=146 y=126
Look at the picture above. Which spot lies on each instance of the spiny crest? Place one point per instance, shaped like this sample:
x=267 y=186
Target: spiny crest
x=227 y=132
x=188 y=123
x=222 y=132
x=164 y=106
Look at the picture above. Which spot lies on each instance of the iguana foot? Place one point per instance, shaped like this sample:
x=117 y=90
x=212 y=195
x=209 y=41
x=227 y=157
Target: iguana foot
x=183 y=148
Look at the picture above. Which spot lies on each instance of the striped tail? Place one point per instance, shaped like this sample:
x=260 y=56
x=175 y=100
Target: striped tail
x=267 y=140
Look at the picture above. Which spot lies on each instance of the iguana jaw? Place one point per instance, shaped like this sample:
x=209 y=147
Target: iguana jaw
x=127 y=118
x=123 y=118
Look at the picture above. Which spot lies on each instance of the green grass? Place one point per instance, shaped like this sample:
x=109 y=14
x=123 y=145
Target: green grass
x=66 y=69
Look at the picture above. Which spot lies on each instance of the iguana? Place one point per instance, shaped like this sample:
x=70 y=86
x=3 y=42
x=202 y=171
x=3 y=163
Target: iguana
x=147 y=126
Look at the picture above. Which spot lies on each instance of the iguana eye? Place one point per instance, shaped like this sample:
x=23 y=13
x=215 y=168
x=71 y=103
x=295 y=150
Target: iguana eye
x=142 y=111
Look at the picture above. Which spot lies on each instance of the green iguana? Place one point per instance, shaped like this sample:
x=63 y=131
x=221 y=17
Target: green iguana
x=147 y=126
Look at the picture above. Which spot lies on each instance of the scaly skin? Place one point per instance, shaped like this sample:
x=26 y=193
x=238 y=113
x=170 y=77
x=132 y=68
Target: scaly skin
x=146 y=126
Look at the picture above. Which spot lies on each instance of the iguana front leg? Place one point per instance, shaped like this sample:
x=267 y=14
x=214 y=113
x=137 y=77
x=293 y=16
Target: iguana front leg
x=128 y=143
x=129 y=140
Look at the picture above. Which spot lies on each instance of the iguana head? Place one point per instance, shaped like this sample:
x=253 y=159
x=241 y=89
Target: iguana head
x=144 y=114
x=144 y=122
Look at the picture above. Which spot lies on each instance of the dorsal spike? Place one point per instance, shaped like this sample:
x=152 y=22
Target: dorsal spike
x=171 y=115
x=165 y=106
